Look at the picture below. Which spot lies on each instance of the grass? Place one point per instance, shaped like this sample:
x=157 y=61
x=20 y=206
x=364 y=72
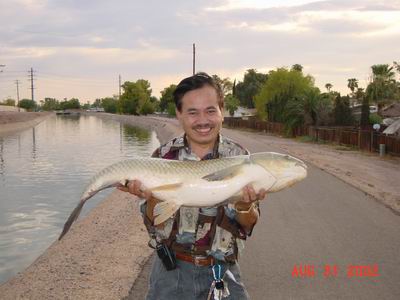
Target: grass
x=305 y=139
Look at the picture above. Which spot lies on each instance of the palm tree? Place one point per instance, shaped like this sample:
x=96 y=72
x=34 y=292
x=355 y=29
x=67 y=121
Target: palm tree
x=396 y=65
x=382 y=71
x=382 y=89
x=352 y=84
x=328 y=86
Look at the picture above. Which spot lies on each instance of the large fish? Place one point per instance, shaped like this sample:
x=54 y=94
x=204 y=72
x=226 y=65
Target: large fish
x=205 y=183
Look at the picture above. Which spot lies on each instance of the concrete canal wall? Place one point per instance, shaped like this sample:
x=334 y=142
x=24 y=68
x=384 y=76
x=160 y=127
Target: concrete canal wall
x=102 y=254
x=11 y=122
x=11 y=108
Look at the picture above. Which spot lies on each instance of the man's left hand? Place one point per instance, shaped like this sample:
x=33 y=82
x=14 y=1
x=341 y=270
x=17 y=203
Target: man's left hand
x=249 y=196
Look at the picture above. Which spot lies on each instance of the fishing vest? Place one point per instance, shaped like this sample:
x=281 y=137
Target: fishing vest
x=200 y=231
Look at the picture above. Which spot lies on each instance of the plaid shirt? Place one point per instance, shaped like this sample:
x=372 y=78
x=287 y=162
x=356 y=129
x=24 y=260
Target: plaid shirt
x=178 y=149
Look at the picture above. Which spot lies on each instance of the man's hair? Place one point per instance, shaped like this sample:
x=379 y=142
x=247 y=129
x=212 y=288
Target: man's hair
x=195 y=82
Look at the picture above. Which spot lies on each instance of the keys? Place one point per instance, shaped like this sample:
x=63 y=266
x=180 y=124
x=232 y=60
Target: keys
x=220 y=290
x=219 y=285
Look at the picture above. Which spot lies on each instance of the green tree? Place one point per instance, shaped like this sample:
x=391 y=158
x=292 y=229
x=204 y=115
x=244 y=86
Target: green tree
x=396 y=65
x=171 y=109
x=225 y=84
x=247 y=90
x=324 y=108
x=302 y=111
x=342 y=111
x=146 y=108
x=86 y=105
x=352 y=84
x=288 y=97
x=328 y=87
x=50 y=104
x=364 y=121
x=8 y=102
x=231 y=104
x=297 y=67
x=135 y=97
x=73 y=103
x=28 y=104
x=167 y=97
x=359 y=95
x=97 y=103
x=383 y=88
x=109 y=104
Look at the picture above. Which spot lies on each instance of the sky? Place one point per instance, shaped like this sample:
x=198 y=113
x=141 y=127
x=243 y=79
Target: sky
x=79 y=48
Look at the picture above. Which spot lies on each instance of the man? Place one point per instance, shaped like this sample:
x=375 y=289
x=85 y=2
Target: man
x=199 y=247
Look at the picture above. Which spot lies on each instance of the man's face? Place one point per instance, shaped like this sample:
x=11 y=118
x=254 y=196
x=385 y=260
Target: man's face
x=201 y=117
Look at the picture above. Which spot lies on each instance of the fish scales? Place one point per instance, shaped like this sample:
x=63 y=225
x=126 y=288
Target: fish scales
x=197 y=183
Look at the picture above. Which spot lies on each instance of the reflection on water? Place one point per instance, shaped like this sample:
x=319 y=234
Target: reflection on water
x=135 y=133
x=43 y=172
x=1 y=157
x=33 y=144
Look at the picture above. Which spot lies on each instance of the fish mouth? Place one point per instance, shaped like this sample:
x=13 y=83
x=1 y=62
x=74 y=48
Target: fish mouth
x=299 y=163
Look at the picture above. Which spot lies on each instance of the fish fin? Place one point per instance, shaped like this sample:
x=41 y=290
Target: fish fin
x=164 y=210
x=224 y=174
x=74 y=215
x=166 y=187
x=77 y=210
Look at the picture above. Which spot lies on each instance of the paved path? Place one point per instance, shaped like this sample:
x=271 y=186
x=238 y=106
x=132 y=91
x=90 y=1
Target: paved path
x=320 y=222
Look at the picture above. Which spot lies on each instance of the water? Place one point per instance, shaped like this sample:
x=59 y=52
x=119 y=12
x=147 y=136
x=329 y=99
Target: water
x=43 y=172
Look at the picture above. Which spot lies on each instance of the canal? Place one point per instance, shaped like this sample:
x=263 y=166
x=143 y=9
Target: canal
x=43 y=172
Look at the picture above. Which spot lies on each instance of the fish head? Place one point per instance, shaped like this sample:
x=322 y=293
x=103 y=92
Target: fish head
x=286 y=169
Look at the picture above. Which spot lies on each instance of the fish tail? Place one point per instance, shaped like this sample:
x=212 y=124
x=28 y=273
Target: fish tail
x=74 y=215
x=86 y=196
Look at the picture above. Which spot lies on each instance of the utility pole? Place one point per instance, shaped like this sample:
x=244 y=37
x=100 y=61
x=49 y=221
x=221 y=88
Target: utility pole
x=119 y=85
x=32 y=88
x=194 y=58
x=17 y=83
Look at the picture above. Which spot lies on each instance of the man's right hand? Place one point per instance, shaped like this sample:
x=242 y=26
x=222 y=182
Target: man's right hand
x=135 y=187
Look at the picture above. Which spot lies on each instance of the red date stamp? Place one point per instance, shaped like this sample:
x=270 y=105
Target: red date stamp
x=331 y=271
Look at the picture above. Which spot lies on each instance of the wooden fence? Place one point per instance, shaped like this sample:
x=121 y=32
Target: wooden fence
x=367 y=140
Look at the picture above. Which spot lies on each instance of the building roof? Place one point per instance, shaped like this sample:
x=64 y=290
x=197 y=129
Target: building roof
x=391 y=111
x=394 y=128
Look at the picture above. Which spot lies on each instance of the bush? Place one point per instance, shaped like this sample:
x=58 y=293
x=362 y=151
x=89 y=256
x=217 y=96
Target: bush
x=29 y=105
x=147 y=108
x=375 y=119
x=171 y=109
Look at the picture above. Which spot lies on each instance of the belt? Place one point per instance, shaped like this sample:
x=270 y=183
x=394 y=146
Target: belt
x=196 y=260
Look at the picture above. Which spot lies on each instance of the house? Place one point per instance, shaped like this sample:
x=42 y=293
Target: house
x=356 y=109
x=391 y=111
x=241 y=112
x=393 y=129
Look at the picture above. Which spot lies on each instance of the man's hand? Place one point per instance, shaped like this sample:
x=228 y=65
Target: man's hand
x=249 y=196
x=246 y=215
x=135 y=187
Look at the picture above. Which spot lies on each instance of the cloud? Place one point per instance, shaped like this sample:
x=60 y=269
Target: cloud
x=98 y=40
